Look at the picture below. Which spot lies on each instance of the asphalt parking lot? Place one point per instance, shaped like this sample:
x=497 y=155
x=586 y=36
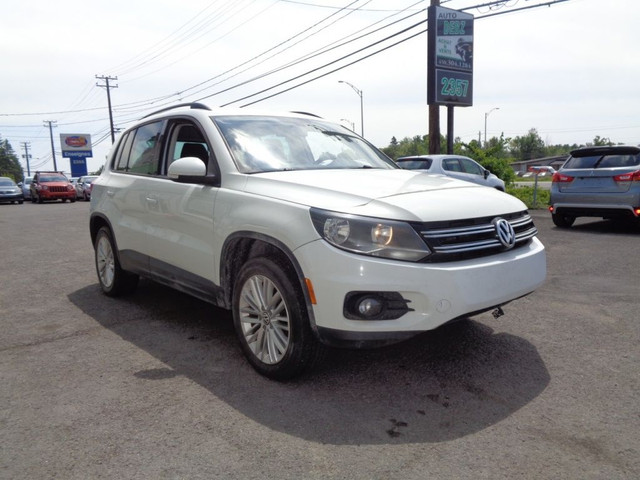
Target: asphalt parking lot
x=154 y=386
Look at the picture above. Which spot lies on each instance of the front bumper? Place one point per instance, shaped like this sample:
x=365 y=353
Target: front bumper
x=11 y=197
x=436 y=293
x=47 y=195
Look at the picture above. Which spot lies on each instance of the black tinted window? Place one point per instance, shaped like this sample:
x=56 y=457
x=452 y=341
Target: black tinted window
x=417 y=164
x=603 y=161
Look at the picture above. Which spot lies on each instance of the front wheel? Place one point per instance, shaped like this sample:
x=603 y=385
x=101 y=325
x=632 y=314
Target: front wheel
x=562 y=221
x=114 y=281
x=271 y=320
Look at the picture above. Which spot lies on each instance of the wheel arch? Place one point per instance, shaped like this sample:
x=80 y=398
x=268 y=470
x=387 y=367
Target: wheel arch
x=243 y=246
x=96 y=222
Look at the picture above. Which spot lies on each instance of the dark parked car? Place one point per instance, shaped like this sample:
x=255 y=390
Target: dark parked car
x=597 y=182
x=9 y=191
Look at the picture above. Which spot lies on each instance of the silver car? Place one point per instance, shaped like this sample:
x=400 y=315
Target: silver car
x=25 y=185
x=83 y=187
x=10 y=192
x=456 y=166
x=597 y=182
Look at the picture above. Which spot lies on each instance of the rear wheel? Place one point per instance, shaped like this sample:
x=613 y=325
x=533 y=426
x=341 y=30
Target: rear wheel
x=114 y=281
x=271 y=320
x=562 y=221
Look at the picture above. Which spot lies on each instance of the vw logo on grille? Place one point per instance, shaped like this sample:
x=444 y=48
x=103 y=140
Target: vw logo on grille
x=505 y=232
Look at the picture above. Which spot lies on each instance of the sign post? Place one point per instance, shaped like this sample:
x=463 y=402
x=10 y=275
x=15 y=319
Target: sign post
x=76 y=147
x=450 y=61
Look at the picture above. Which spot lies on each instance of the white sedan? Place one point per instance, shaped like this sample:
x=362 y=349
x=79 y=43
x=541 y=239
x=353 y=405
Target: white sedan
x=457 y=166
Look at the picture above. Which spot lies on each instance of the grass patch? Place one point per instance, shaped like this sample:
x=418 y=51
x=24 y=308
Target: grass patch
x=526 y=195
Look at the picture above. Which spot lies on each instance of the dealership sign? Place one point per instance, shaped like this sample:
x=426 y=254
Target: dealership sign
x=76 y=147
x=450 y=57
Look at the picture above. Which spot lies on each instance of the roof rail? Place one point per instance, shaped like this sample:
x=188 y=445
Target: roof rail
x=195 y=105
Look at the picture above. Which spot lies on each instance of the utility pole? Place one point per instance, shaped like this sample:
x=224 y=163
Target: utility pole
x=434 y=117
x=109 y=87
x=26 y=155
x=53 y=151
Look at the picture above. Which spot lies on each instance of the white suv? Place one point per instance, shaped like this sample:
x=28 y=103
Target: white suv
x=309 y=234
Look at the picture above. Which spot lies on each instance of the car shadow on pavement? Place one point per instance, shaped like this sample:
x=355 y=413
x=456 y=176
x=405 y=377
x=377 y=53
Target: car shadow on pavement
x=604 y=226
x=439 y=386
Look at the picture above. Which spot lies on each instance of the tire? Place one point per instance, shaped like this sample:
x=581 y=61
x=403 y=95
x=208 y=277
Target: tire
x=114 y=281
x=72 y=200
x=562 y=221
x=20 y=202
x=271 y=320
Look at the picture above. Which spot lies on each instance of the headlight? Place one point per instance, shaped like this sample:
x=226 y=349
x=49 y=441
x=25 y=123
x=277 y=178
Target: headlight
x=370 y=236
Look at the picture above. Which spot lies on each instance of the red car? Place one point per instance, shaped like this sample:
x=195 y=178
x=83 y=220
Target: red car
x=51 y=186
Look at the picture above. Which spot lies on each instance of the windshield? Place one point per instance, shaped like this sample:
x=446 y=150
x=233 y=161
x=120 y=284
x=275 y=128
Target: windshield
x=267 y=144
x=53 y=178
x=6 y=182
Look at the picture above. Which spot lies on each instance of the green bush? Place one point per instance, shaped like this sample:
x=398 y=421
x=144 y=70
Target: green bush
x=526 y=195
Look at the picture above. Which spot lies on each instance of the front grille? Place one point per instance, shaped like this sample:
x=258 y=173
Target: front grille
x=472 y=238
x=58 y=189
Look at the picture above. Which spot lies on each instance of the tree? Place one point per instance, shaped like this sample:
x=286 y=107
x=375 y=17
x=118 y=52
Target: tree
x=599 y=141
x=9 y=163
x=489 y=158
x=527 y=147
x=417 y=145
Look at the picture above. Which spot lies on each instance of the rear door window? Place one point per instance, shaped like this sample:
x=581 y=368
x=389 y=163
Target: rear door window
x=140 y=150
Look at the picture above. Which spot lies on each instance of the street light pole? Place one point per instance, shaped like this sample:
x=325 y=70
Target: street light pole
x=359 y=92
x=485 y=124
x=353 y=125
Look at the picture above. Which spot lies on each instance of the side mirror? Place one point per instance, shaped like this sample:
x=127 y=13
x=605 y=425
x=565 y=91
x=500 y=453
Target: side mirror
x=190 y=170
x=486 y=173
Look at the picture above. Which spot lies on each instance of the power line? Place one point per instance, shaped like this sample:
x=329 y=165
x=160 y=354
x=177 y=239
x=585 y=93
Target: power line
x=140 y=105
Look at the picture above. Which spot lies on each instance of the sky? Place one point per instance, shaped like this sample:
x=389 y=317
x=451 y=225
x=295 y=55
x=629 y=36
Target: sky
x=570 y=70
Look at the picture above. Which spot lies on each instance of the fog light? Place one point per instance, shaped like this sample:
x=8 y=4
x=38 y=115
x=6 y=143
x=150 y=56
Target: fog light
x=374 y=306
x=370 y=307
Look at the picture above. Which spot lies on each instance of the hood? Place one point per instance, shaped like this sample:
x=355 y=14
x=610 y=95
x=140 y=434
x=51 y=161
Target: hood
x=398 y=194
